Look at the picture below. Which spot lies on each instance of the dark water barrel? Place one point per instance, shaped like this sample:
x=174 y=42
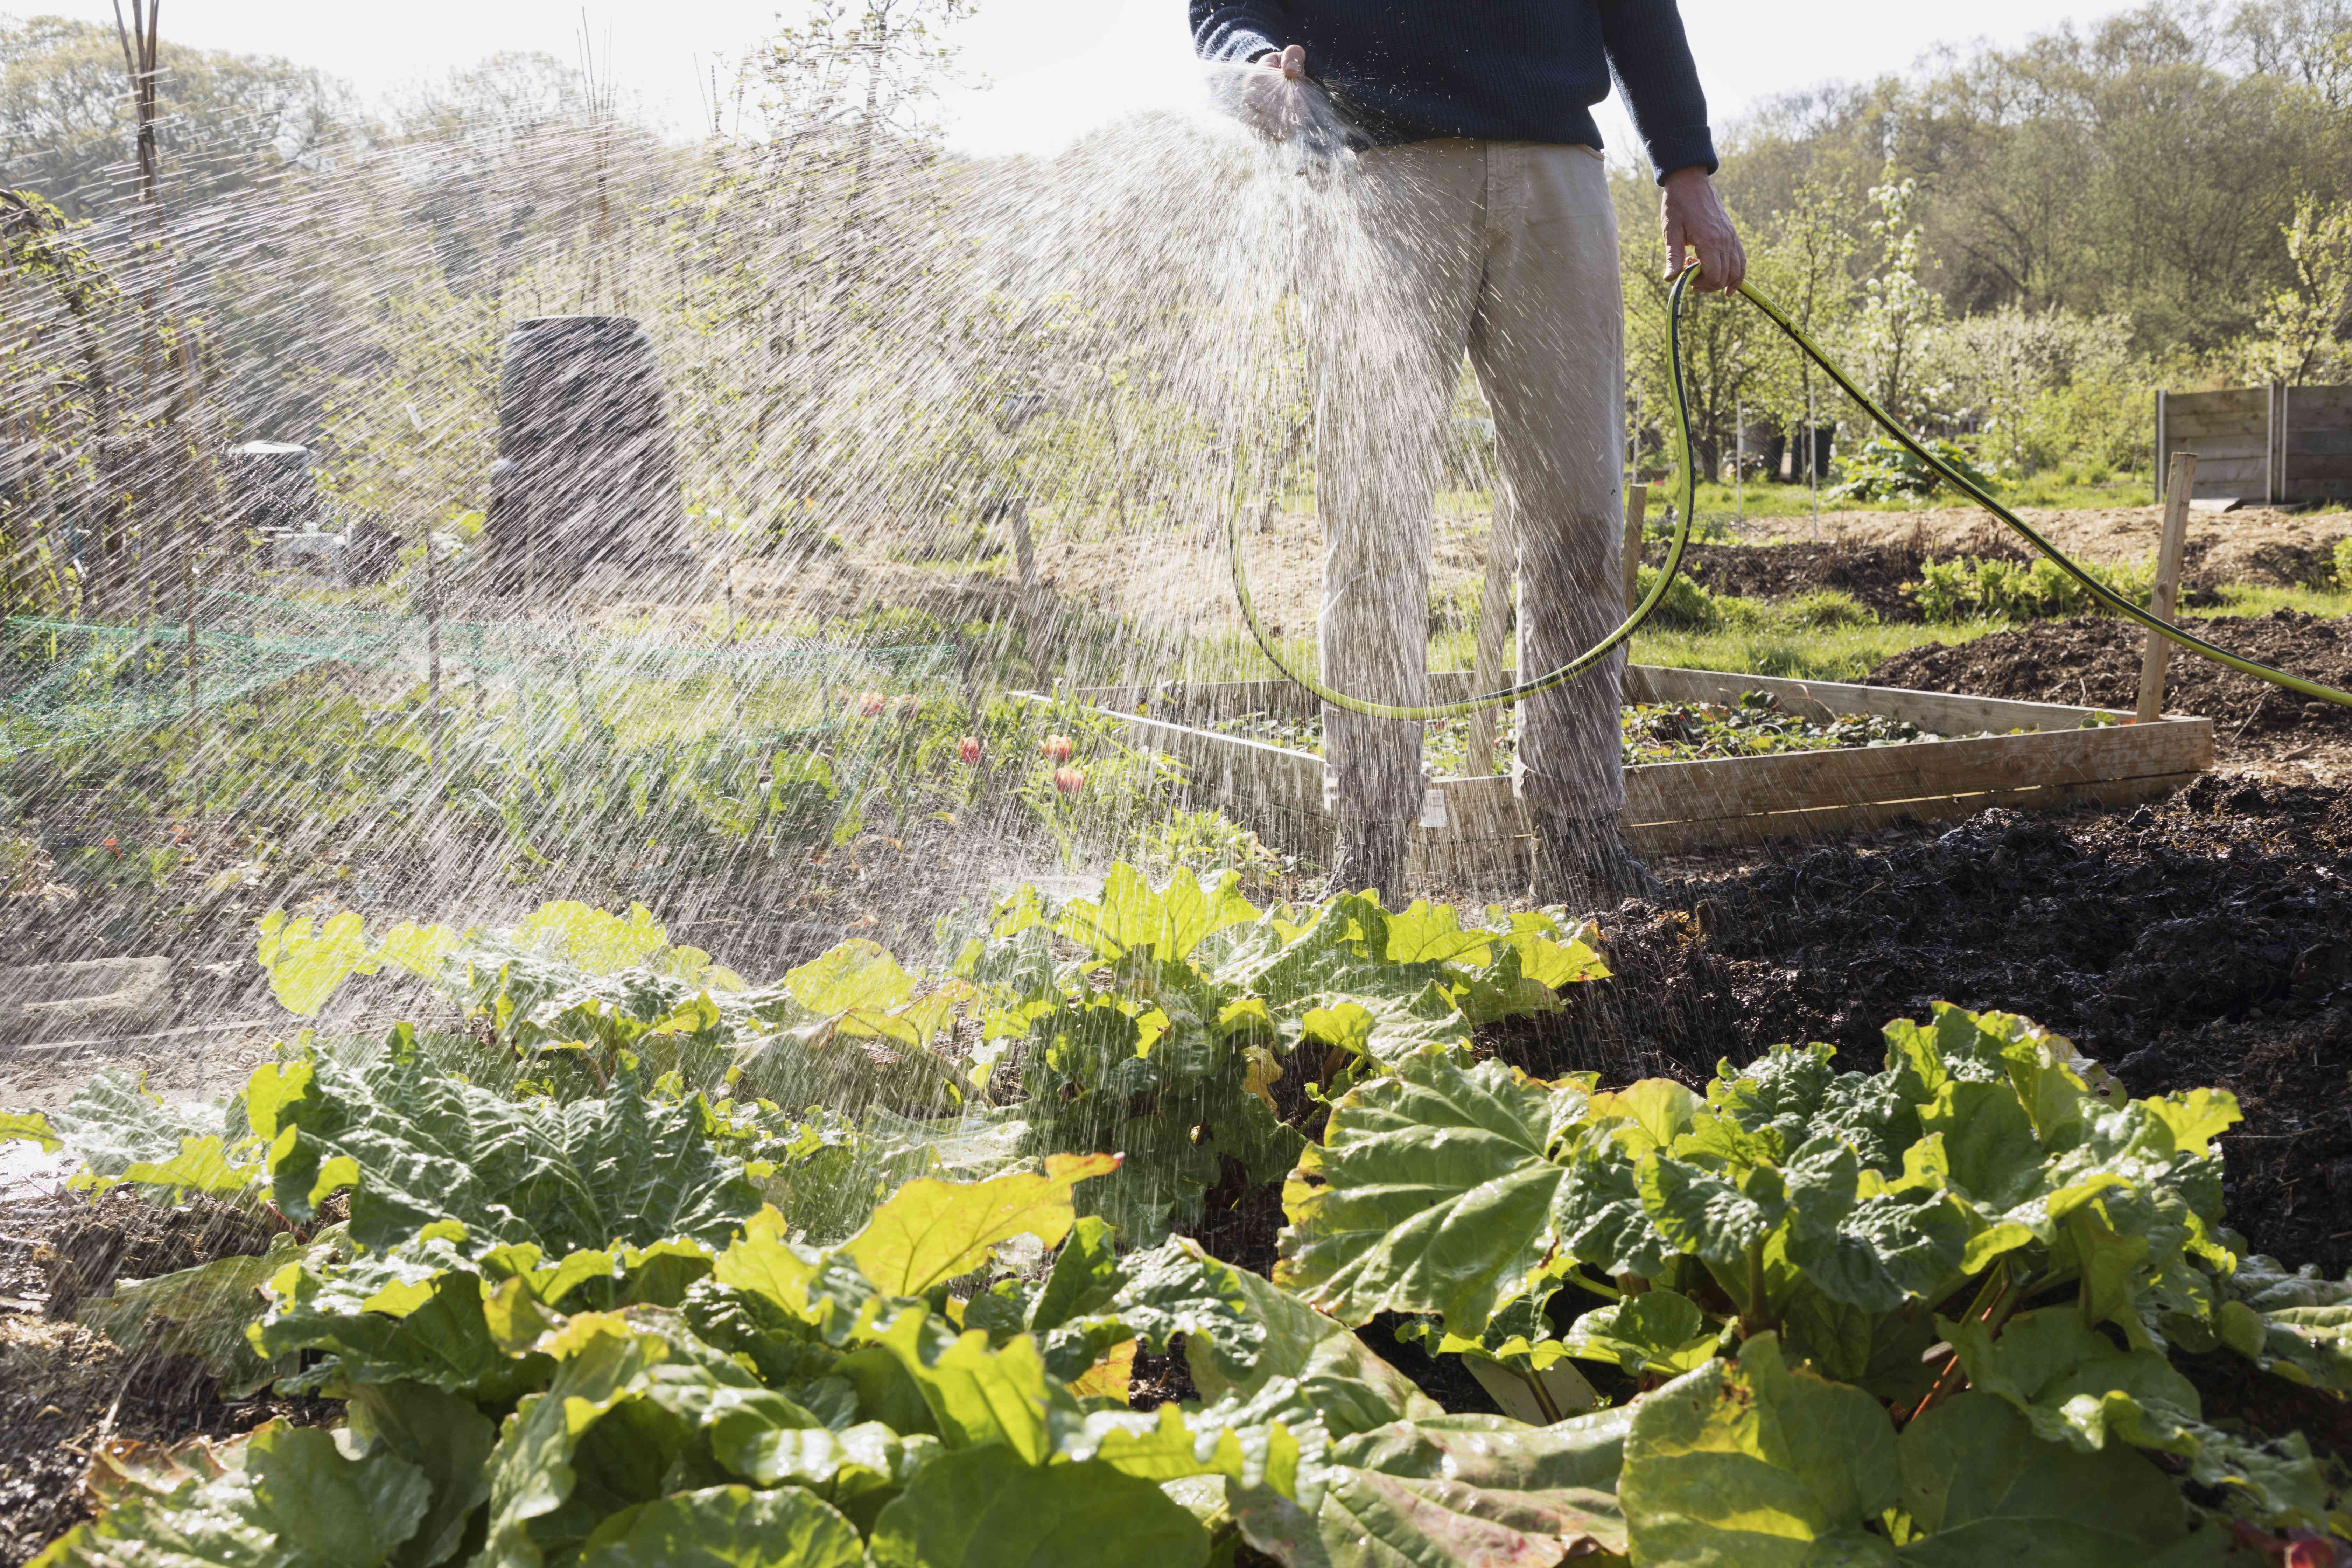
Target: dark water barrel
x=587 y=469
x=270 y=484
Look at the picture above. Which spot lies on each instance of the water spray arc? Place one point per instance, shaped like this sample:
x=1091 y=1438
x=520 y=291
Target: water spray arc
x=2102 y=594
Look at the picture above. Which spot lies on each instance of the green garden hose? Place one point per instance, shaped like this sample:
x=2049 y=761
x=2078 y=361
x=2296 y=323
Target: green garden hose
x=1650 y=602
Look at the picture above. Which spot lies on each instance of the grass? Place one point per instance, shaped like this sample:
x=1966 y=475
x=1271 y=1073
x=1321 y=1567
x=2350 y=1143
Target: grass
x=2246 y=599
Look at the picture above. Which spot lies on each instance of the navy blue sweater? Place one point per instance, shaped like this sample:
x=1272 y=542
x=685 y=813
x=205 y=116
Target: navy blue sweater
x=1512 y=70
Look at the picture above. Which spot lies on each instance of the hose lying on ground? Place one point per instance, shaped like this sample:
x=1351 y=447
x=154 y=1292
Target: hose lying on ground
x=2099 y=591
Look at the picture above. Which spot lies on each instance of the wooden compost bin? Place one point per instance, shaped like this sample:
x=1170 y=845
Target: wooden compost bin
x=2278 y=444
x=1671 y=807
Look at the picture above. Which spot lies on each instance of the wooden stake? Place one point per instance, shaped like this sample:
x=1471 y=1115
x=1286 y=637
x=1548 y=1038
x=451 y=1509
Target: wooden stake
x=2178 y=485
x=1637 y=507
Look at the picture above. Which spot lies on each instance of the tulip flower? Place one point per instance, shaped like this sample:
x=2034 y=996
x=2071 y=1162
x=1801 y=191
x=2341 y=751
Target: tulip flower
x=968 y=750
x=1069 y=781
x=1056 y=749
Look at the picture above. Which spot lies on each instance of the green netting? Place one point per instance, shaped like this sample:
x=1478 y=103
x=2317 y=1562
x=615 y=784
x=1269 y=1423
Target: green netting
x=63 y=680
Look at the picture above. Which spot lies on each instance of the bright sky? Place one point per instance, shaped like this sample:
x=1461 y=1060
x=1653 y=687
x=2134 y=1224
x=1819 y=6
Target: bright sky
x=1058 y=68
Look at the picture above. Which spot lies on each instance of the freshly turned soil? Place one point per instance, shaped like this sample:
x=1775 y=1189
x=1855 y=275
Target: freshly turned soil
x=2093 y=661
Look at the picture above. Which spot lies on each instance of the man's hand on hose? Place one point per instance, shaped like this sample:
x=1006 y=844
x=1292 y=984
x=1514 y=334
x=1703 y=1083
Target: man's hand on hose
x=1695 y=218
x=1270 y=99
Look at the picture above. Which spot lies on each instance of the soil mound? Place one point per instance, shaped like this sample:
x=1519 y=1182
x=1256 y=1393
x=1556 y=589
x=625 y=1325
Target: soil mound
x=2093 y=661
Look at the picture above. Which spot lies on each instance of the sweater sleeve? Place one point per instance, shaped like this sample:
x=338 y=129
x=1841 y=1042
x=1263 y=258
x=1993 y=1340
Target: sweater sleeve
x=1652 y=60
x=1237 y=30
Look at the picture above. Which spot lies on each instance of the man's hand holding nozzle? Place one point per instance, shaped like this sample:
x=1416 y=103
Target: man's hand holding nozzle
x=1272 y=100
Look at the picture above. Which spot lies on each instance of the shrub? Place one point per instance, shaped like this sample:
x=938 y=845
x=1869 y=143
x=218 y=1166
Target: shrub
x=2344 y=562
x=1883 y=470
x=1686 y=606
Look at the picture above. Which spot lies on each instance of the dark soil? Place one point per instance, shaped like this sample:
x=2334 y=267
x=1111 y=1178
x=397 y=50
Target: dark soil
x=2093 y=661
x=64 y=1389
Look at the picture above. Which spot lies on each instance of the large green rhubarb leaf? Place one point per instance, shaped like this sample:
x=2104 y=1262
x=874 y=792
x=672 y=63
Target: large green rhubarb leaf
x=414 y=1145
x=1985 y=1489
x=287 y=1496
x=1481 y=1491
x=932 y=1231
x=727 y=1527
x=984 y=1508
x=1754 y=1463
x=1431 y=1193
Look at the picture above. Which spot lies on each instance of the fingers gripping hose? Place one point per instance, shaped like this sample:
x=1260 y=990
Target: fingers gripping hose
x=2099 y=591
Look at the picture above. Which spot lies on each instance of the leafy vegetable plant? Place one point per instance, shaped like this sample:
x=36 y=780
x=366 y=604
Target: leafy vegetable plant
x=1163 y=1023
x=597 y=1346
x=1923 y=1314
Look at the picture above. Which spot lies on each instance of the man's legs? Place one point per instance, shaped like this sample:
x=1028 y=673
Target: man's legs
x=1389 y=320
x=1548 y=343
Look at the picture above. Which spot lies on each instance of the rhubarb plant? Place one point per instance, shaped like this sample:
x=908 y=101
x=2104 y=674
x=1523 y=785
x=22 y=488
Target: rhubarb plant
x=1918 y=1314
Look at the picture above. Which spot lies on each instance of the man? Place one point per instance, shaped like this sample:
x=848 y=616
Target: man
x=1484 y=206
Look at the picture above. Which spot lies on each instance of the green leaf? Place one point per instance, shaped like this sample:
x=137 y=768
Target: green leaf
x=203 y=1312
x=31 y=1126
x=415 y=1312
x=1431 y=1193
x=1083 y=1278
x=446 y=1439
x=603 y=1436
x=1657 y=1332
x=930 y=1231
x=857 y=1467
x=589 y=938
x=2061 y=1372
x=1173 y=922
x=1703 y=1214
x=2311 y=1346
x=727 y=1527
x=856 y=975
x=1990 y=1154
x=113 y=1123
x=983 y=1508
x=1756 y=1464
x=1985 y=1489
x=1472 y=1490
x=1243 y=1332
x=329 y=1508
x=285 y=1497
x=979 y=1394
x=416 y=1144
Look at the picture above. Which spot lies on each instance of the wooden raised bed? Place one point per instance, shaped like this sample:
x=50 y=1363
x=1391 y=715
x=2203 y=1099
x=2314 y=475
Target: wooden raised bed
x=1673 y=807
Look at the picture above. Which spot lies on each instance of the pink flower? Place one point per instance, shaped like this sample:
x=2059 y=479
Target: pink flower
x=1069 y=781
x=1056 y=749
x=968 y=750
x=870 y=706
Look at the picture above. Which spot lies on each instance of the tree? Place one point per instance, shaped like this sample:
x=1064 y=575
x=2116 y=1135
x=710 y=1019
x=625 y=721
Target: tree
x=1897 y=311
x=2301 y=324
x=230 y=119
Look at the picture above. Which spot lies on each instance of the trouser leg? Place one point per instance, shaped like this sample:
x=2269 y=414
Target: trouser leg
x=1547 y=340
x=1389 y=320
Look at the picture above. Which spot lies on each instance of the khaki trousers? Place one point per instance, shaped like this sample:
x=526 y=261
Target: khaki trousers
x=1508 y=249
